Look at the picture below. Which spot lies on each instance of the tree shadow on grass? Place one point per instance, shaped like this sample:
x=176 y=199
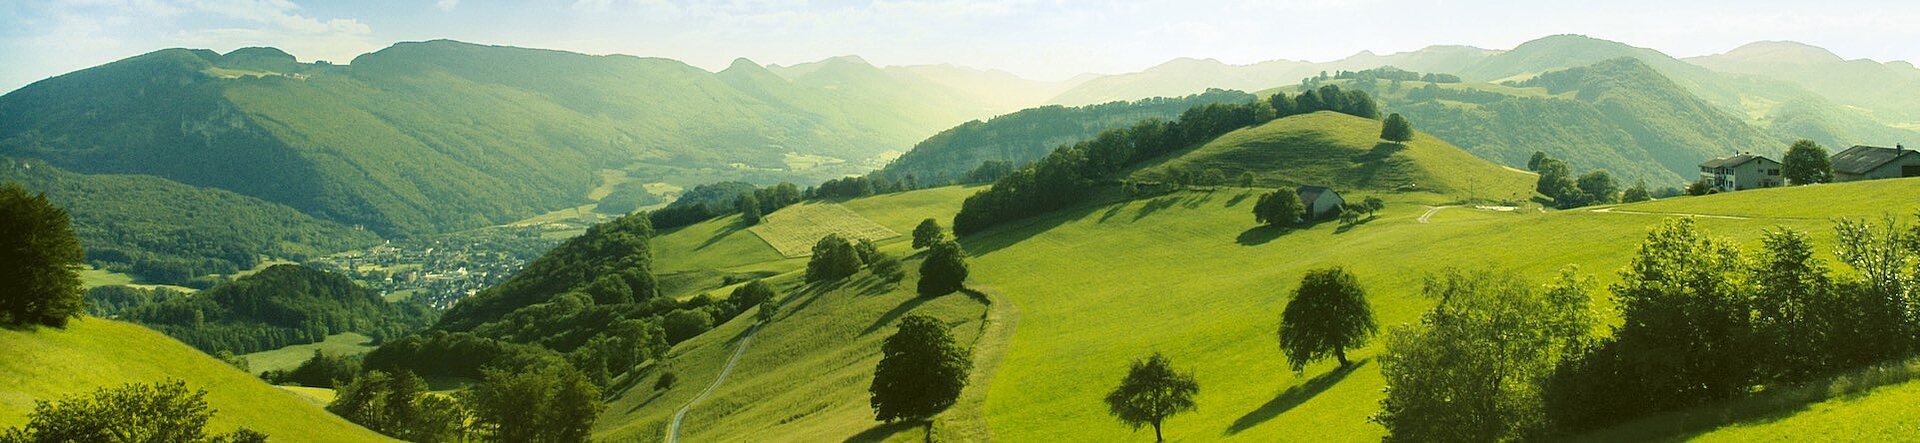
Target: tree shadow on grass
x=1243 y=196
x=881 y=432
x=895 y=313
x=736 y=226
x=1260 y=235
x=1293 y=397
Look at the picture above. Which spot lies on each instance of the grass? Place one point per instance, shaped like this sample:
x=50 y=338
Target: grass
x=290 y=357
x=45 y=364
x=1345 y=153
x=794 y=230
x=801 y=162
x=318 y=396
x=1188 y=275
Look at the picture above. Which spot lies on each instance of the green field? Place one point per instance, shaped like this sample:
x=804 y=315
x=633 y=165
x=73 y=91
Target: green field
x=793 y=230
x=1187 y=274
x=44 y=364
x=290 y=357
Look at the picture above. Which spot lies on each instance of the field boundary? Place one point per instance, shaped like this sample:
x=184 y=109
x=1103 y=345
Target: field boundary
x=793 y=230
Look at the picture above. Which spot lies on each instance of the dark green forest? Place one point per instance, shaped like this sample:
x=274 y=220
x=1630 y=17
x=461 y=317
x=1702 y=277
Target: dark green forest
x=280 y=306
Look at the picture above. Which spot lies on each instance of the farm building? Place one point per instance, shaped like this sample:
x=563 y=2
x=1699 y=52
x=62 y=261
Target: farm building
x=1872 y=162
x=1320 y=202
x=1744 y=171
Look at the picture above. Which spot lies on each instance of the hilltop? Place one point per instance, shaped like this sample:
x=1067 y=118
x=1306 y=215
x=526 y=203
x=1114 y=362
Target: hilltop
x=44 y=364
x=1345 y=153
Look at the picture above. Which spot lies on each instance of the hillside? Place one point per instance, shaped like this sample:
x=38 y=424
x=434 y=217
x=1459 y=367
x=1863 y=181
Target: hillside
x=1214 y=313
x=1029 y=134
x=1860 y=82
x=1186 y=76
x=1345 y=153
x=280 y=306
x=435 y=136
x=167 y=232
x=91 y=353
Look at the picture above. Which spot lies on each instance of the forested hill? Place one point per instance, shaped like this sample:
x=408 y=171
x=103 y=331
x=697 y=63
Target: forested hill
x=173 y=233
x=279 y=306
x=1023 y=136
x=435 y=136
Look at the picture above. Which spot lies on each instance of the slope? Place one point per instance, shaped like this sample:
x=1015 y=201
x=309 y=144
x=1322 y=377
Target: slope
x=1185 y=76
x=280 y=306
x=1345 y=153
x=45 y=364
x=168 y=232
x=427 y=137
x=1862 y=83
x=1029 y=134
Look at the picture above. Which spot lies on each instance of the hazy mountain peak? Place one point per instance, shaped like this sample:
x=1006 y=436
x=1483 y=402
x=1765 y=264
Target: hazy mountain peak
x=259 y=52
x=1781 y=52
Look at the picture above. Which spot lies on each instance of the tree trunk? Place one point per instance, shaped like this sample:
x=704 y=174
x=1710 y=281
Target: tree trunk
x=1341 y=354
x=929 y=433
x=1156 y=432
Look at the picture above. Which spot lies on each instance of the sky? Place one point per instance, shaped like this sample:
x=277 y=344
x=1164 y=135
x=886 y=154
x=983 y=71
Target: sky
x=1037 y=39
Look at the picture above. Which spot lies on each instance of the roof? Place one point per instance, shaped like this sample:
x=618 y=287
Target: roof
x=1862 y=158
x=1310 y=193
x=1733 y=161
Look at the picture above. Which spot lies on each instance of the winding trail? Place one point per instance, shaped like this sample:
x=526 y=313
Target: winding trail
x=1430 y=211
x=1672 y=214
x=673 y=430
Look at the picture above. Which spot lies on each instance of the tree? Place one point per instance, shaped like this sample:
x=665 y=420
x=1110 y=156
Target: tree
x=551 y=403
x=1474 y=367
x=135 y=412
x=749 y=208
x=1396 y=129
x=39 y=256
x=1806 y=163
x=683 y=324
x=834 y=258
x=751 y=294
x=889 y=268
x=945 y=269
x=921 y=372
x=400 y=405
x=768 y=310
x=1373 y=205
x=927 y=233
x=1683 y=294
x=1350 y=216
x=1599 y=187
x=1795 y=307
x=1327 y=315
x=1701 y=187
x=1533 y=163
x=1246 y=179
x=1636 y=193
x=1151 y=392
x=1278 y=208
x=1557 y=182
x=866 y=250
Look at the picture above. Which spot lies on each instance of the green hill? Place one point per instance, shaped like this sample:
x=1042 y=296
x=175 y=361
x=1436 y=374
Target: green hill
x=1862 y=83
x=168 y=232
x=435 y=136
x=1029 y=134
x=280 y=306
x=1345 y=153
x=45 y=364
x=1094 y=288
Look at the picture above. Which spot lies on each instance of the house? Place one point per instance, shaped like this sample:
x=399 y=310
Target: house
x=1320 y=202
x=1873 y=162
x=1744 y=171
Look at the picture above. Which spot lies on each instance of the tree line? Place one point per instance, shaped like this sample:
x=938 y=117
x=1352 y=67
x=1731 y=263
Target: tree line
x=1067 y=176
x=276 y=307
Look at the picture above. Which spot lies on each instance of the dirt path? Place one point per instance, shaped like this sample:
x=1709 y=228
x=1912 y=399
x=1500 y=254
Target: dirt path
x=1671 y=214
x=1430 y=211
x=673 y=430
x=967 y=420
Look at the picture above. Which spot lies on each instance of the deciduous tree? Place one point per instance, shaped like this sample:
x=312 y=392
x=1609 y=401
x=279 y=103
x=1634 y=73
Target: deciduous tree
x=1396 y=129
x=1151 y=392
x=39 y=257
x=945 y=269
x=1328 y=314
x=921 y=372
x=1806 y=163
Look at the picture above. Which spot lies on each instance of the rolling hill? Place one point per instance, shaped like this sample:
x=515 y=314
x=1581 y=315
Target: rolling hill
x=1861 y=83
x=169 y=232
x=434 y=136
x=1345 y=153
x=1186 y=76
x=44 y=364
x=1214 y=311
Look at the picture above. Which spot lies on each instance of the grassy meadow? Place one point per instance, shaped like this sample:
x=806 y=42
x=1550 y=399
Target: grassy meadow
x=794 y=229
x=1187 y=274
x=287 y=358
x=91 y=353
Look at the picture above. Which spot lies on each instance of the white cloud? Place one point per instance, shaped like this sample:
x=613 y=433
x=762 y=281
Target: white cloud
x=446 y=5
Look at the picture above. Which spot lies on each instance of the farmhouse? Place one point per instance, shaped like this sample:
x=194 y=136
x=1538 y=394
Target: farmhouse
x=1744 y=171
x=1320 y=202
x=1872 y=162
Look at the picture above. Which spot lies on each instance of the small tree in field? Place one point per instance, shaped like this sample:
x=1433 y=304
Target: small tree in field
x=927 y=234
x=1373 y=205
x=1152 y=392
x=1328 y=314
x=1806 y=163
x=921 y=372
x=1279 y=208
x=834 y=258
x=945 y=269
x=1396 y=129
x=160 y=412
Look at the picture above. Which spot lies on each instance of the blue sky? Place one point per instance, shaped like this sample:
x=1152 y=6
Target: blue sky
x=1041 y=39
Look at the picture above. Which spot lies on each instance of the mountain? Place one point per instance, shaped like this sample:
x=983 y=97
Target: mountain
x=434 y=136
x=92 y=353
x=1859 y=83
x=1029 y=134
x=168 y=232
x=1184 y=76
x=998 y=89
x=280 y=306
x=1345 y=153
